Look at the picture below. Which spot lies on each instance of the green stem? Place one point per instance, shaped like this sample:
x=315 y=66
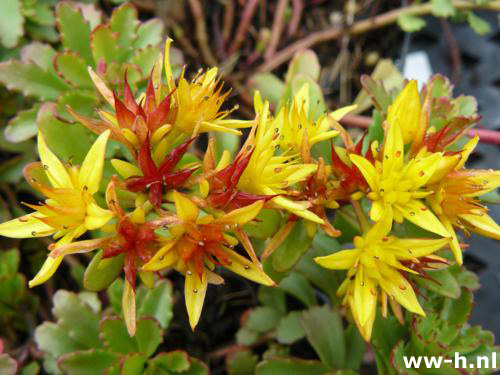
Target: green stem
x=360 y=214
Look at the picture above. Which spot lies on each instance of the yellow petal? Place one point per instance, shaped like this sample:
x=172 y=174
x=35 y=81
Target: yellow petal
x=381 y=228
x=54 y=168
x=419 y=247
x=148 y=278
x=482 y=224
x=244 y=267
x=49 y=267
x=297 y=209
x=101 y=87
x=164 y=258
x=195 y=288
x=96 y=216
x=454 y=244
x=186 y=209
x=403 y=292
x=51 y=264
x=418 y=213
x=405 y=112
x=341 y=112
x=365 y=296
x=444 y=166
x=128 y=307
x=168 y=68
x=377 y=210
x=90 y=174
x=77 y=247
x=393 y=153
x=241 y=215
x=125 y=169
x=341 y=260
x=25 y=226
x=367 y=170
x=467 y=150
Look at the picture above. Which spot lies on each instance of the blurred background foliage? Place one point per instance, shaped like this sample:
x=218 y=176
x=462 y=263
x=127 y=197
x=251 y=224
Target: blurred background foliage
x=276 y=47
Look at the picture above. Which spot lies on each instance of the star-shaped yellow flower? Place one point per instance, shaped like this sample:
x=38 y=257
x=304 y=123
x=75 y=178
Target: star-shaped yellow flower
x=70 y=209
x=298 y=130
x=376 y=270
x=397 y=186
x=271 y=173
x=198 y=243
x=455 y=198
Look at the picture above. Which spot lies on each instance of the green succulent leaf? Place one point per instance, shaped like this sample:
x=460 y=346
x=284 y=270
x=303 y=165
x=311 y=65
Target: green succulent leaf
x=124 y=22
x=290 y=329
x=304 y=62
x=133 y=364
x=297 y=285
x=100 y=273
x=410 y=23
x=23 y=126
x=11 y=22
x=442 y=8
x=145 y=59
x=92 y=361
x=171 y=362
x=73 y=69
x=149 y=33
x=286 y=366
x=31 y=80
x=262 y=319
x=291 y=250
x=479 y=25
x=271 y=87
x=75 y=31
x=324 y=330
x=267 y=223
x=156 y=303
x=442 y=282
x=242 y=363
x=104 y=45
x=32 y=368
x=70 y=142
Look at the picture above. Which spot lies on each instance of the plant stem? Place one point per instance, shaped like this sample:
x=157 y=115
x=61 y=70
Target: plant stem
x=201 y=32
x=360 y=214
x=364 y=26
x=364 y=122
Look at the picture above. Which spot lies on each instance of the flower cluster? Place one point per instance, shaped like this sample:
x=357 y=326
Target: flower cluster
x=167 y=210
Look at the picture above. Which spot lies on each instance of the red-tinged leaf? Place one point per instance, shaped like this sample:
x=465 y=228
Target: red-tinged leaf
x=174 y=157
x=244 y=199
x=129 y=96
x=130 y=268
x=146 y=162
x=150 y=102
x=177 y=179
x=155 y=194
x=159 y=116
x=125 y=117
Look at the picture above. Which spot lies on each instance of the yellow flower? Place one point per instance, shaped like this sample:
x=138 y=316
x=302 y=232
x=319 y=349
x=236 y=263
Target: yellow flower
x=455 y=199
x=198 y=102
x=298 y=129
x=406 y=112
x=376 y=270
x=397 y=187
x=269 y=173
x=70 y=209
x=198 y=243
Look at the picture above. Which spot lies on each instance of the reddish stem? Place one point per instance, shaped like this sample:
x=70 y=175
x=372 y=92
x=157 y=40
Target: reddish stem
x=364 y=122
